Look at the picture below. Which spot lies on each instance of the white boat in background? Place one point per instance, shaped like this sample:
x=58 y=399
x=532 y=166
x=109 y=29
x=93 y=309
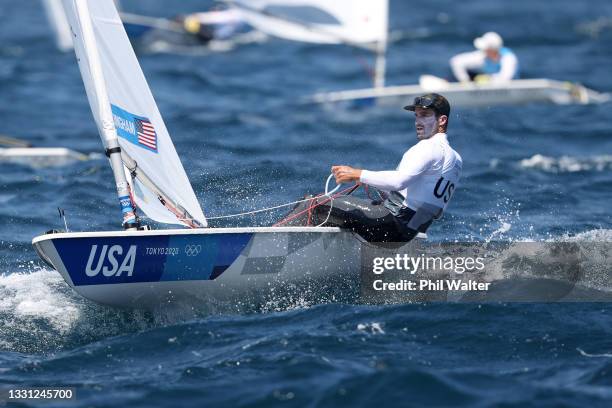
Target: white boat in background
x=16 y=151
x=364 y=24
x=516 y=92
x=41 y=156
x=142 y=268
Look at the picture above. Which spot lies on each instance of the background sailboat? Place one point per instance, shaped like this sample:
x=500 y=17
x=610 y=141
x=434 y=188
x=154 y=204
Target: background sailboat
x=17 y=151
x=156 y=34
x=364 y=24
x=515 y=92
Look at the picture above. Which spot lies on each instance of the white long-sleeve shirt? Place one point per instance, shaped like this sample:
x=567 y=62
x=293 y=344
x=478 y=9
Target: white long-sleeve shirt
x=427 y=174
x=476 y=60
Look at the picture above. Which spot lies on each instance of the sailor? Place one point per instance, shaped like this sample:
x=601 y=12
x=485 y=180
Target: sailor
x=490 y=63
x=415 y=193
x=216 y=24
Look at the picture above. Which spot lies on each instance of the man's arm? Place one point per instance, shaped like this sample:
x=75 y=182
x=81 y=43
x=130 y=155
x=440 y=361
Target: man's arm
x=461 y=63
x=418 y=159
x=394 y=180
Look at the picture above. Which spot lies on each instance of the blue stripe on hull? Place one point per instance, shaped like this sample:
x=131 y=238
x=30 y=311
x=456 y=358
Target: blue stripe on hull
x=111 y=260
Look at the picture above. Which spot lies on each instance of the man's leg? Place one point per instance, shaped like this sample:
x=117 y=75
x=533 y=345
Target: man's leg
x=369 y=219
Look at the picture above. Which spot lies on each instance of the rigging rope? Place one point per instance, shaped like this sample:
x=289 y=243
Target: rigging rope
x=261 y=210
x=331 y=195
x=346 y=191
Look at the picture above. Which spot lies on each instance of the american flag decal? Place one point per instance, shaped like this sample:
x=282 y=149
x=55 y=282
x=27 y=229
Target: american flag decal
x=146 y=133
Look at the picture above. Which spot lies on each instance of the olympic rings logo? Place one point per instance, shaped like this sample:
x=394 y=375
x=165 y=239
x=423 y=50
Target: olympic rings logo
x=192 y=250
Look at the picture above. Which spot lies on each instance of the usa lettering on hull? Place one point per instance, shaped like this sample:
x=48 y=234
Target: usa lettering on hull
x=108 y=262
x=127 y=260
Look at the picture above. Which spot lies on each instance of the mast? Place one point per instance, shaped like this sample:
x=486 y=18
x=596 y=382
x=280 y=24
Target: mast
x=173 y=206
x=106 y=127
x=381 y=65
x=381 y=50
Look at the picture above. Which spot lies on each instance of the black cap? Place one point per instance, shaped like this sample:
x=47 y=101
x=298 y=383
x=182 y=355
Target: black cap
x=432 y=101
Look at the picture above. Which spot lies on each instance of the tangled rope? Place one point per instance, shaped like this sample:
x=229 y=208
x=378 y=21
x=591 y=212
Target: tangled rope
x=314 y=203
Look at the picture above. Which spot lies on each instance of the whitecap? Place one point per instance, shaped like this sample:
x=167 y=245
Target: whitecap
x=585 y=354
x=567 y=164
x=38 y=295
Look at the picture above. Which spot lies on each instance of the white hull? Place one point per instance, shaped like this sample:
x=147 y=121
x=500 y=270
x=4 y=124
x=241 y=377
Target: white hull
x=40 y=156
x=516 y=92
x=264 y=265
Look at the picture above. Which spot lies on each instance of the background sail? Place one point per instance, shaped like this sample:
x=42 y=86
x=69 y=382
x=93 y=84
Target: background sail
x=319 y=21
x=142 y=133
x=59 y=24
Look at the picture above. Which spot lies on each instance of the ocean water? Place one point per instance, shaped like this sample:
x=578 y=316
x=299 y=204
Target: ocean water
x=530 y=173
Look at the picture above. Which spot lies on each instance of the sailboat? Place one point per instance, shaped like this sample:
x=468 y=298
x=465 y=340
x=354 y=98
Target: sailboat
x=515 y=92
x=17 y=151
x=154 y=34
x=364 y=24
x=142 y=268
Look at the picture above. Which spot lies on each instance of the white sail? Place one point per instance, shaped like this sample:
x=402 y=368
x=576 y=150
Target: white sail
x=356 y=22
x=162 y=190
x=59 y=24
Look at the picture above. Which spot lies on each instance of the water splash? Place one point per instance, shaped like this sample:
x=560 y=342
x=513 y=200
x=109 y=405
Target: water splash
x=38 y=296
x=502 y=218
x=505 y=227
x=373 y=328
x=596 y=235
x=40 y=313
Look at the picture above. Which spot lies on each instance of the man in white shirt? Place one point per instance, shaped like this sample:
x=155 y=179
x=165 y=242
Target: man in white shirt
x=490 y=63
x=415 y=194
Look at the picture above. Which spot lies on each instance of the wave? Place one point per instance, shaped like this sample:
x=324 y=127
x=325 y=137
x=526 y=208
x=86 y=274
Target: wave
x=40 y=313
x=595 y=27
x=334 y=355
x=585 y=354
x=38 y=295
x=567 y=164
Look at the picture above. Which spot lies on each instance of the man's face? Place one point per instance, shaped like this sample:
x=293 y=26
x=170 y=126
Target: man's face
x=492 y=54
x=425 y=122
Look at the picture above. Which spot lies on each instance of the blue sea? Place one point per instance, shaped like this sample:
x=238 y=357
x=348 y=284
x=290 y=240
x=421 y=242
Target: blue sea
x=534 y=172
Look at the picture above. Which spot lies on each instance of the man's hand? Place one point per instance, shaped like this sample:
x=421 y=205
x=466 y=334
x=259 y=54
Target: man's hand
x=345 y=174
x=482 y=79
